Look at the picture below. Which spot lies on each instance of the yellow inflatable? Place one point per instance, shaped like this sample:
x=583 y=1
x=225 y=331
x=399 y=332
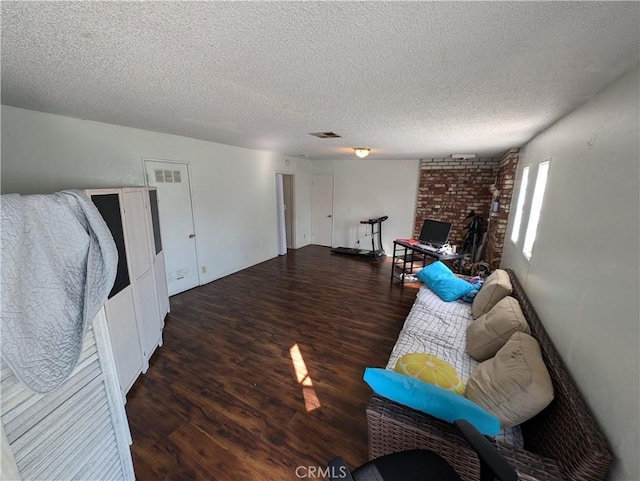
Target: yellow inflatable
x=430 y=369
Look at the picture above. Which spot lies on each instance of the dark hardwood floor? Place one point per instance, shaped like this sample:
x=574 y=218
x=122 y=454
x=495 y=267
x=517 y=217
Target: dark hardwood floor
x=222 y=399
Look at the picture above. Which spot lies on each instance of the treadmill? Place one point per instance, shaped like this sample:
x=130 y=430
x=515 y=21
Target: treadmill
x=376 y=252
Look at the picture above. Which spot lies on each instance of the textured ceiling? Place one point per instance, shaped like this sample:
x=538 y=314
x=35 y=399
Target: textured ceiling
x=408 y=79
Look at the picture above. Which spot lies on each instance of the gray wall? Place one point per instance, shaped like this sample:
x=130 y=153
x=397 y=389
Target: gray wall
x=583 y=276
x=370 y=188
x=233 y=189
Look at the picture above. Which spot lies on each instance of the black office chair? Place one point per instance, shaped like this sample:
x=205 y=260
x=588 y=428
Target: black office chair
x=423 y=465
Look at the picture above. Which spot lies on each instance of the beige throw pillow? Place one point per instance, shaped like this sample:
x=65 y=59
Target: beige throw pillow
x=514 y=385
x=490 y=332
x=495 y=287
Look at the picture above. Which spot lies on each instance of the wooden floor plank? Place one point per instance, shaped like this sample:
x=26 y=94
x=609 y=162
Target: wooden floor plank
x=221 y=399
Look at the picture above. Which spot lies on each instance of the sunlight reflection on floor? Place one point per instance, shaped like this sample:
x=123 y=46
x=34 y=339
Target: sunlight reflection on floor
x=311 y=400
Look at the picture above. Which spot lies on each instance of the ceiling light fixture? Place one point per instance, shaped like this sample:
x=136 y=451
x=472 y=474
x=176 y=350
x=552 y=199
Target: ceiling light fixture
x=361 y=152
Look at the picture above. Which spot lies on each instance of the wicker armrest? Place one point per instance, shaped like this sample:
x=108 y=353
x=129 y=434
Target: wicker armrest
x=394 y=428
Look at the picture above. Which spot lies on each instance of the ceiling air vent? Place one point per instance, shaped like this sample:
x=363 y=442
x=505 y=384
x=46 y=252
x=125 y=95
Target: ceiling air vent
x=326 y=135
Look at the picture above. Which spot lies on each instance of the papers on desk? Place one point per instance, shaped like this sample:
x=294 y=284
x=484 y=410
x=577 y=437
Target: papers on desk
x=408 y=241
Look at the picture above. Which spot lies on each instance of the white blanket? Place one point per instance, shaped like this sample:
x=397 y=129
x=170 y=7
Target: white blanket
x=440 y=328
x=59 y=263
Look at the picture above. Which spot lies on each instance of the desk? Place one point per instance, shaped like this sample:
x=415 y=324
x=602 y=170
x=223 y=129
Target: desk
x=406 y=254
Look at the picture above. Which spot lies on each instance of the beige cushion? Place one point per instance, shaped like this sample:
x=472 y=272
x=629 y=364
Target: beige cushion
x=495 y=287
x=514 y=385
x=490 y=332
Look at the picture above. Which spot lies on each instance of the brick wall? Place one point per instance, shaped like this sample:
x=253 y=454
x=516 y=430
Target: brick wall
x=450 y=189
x=497 y=231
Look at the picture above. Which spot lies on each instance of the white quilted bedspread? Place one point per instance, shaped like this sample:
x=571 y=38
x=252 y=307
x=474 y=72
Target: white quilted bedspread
x=440 y=328
x=59 y=263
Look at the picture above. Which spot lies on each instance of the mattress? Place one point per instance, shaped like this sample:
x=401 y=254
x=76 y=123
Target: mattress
x=440 y=328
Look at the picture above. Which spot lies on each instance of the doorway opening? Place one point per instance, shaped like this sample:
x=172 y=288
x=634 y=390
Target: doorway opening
x=286 y=216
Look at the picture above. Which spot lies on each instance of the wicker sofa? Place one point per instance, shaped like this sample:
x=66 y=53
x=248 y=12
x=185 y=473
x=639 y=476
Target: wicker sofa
x=563 y=442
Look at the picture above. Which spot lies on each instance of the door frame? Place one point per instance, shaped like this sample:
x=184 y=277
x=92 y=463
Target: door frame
x=187 y=165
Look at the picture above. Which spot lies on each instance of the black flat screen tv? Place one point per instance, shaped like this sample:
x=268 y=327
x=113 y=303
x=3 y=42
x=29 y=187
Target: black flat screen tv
x=435 y=232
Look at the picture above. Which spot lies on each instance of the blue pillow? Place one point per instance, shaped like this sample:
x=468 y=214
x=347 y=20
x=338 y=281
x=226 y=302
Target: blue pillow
x=434 y=271
x=430 y=399
x=443 y=282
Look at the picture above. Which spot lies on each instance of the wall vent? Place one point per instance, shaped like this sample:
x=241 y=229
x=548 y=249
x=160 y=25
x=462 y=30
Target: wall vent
x=326 y=135
x=173 y=176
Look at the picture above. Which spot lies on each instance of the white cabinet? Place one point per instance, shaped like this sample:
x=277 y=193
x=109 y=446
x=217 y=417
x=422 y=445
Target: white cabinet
x=141 y=249
x=149 y=322
x=137 y=220
x=138 y=301
x=158 y=260
x=161 y=282
x=125 y=340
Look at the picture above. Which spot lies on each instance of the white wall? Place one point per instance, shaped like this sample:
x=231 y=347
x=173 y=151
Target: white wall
x=233 y=188
x=583 y=277
x=368 y=188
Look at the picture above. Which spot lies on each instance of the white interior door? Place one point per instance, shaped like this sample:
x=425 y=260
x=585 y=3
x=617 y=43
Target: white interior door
x=321 y=209
x=176 y=223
